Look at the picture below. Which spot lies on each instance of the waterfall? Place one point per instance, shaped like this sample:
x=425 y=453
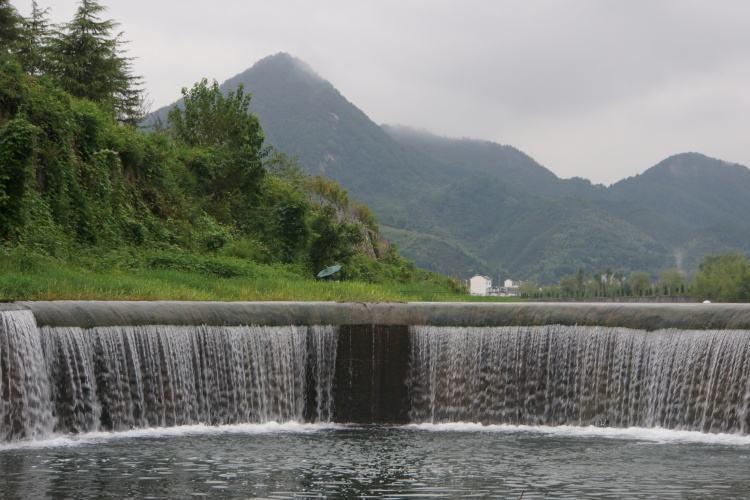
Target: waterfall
x=573 y=375
x=69 y=379
x=322 y=366
x=59 y=378
x=24 y=391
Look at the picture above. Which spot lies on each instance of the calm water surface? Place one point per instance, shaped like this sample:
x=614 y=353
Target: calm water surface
x=298 y=461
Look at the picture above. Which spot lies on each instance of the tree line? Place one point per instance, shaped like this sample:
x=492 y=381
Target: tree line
x=724 y=278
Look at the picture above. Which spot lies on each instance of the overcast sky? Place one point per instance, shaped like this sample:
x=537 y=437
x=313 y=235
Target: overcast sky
x=600 y=89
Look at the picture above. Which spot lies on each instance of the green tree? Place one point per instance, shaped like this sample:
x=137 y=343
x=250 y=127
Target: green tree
x=209 y=117
x=593 y=287
x=672 y=281
x=332 y=242
x=88 y=62
x=34 y=40
x=11 y=86
x=283 y=219
x=529 y=289
x=580 y=281
x=569 y=286
x=724 y=278
x=228 y=147
x=10 y=26
x=640 y=283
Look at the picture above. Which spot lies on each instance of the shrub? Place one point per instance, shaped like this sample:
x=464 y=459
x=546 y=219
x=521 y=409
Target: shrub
x=211 y=266
x=17 y=140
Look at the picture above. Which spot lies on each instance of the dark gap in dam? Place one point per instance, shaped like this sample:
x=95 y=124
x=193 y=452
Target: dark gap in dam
x=372 y=369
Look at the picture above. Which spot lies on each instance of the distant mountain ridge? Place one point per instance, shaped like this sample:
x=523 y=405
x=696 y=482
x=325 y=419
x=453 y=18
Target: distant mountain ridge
x=461 y=206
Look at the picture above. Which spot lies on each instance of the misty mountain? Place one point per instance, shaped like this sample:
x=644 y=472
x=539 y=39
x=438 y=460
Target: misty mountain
x=460 y=206
x=688 y=198
x=305 y=116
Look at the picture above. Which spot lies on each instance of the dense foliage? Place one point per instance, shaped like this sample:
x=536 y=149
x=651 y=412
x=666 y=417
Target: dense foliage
x=724 y=278
x=203 y=195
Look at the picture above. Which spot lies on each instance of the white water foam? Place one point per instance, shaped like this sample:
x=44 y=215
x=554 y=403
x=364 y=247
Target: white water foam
x=655 y=434
x=90 y=438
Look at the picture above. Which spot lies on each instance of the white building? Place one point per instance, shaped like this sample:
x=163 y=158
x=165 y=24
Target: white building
x=510 y=288
x=480 y=285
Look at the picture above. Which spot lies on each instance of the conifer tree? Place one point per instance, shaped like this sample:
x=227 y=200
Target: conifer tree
x=34 y=40
x=89 y=62
x=10 y=27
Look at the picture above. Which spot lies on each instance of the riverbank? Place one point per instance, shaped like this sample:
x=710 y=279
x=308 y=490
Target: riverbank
x=25 y=276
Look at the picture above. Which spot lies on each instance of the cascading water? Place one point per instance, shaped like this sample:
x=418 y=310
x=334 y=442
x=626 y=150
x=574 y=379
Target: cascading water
x=24 y=394
x=69 y=379
x=322 y=367
x=66 y=378
x=555 y=375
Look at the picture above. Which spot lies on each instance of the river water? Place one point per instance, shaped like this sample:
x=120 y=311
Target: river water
x=325 y=460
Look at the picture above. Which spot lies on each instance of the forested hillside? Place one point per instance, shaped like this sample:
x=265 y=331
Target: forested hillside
x=462 y=206
x=672 y=215
x=84 y=192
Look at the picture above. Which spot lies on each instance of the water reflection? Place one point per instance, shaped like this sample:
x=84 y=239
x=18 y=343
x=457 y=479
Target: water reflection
x=377 y=462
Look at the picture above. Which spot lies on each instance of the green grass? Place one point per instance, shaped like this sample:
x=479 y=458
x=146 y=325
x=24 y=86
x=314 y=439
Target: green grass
x=25 y=276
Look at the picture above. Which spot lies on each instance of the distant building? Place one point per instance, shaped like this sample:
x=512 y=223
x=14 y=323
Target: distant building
x=510 y=288
x=480 y=285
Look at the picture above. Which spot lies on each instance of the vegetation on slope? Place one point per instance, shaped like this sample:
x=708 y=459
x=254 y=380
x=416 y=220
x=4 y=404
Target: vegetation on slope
x=92 y=207
x=529 y=224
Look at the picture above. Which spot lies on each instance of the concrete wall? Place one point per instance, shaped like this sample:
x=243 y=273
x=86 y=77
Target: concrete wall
x=88 y=314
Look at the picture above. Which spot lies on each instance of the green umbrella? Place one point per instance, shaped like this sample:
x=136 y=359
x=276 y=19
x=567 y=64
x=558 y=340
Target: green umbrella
x=329 y=271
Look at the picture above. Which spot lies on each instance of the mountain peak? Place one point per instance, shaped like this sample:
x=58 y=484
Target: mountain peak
x=687 y=159
x=283 y=65
x=692 y=164
x=687 y=156
x=689 y=168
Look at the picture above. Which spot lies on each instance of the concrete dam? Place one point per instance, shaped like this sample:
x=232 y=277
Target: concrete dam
x=81 y=366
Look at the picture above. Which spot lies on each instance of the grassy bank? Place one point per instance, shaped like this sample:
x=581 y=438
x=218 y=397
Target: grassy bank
x=161 y=276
